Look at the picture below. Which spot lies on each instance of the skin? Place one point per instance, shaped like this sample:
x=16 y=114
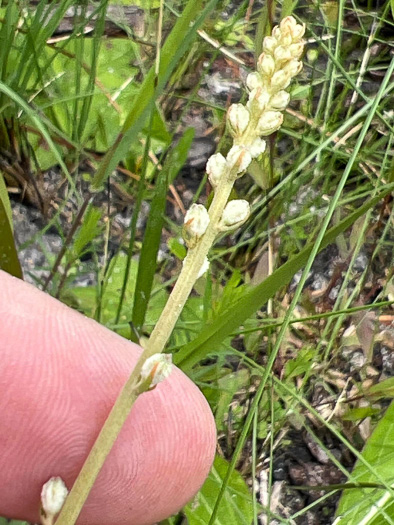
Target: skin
x=60 y=374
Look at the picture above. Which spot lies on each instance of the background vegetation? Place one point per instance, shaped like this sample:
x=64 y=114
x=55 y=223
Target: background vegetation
x=289 y=335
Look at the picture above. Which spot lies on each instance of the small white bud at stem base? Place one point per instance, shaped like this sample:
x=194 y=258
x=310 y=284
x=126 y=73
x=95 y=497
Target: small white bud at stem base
x=156 y=368
x=53 y=495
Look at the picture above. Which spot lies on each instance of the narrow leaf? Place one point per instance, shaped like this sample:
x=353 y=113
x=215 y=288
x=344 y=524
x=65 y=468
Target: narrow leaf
x=364 y=506
x=9 y=261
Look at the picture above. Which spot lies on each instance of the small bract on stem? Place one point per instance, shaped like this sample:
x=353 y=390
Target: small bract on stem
x=261 y=116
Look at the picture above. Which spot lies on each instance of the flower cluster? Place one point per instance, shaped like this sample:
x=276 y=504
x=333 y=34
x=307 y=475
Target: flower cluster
x=262 y=114
x=259 y=117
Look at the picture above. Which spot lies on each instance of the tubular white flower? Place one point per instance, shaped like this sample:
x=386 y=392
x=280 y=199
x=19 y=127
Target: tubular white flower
x=156 y=368
x=235 y=213
x=296 y=50
x=238 y=118
x=53 y=495
x=266 y=64
x=216 y=168
x=257 y=148
x=269 y=45
x=288 y=25
x=253 y=81
x=195 y=224
x=269 y=122
x=298 y=31
x=258 y=100
x=280 y=100
x=276 y=32
x=238 y=157
x=280 y=80
x=292 y=68
x=282 y=53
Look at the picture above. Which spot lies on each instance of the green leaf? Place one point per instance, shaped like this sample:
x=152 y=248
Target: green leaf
x=254 y=298
x=9 y=261
x=152 y=237
x=355 y=414
x=150 y=248
x=87 y=232
x=355 y=505
x=236 y=507
x=177 y=249
x=5 y=521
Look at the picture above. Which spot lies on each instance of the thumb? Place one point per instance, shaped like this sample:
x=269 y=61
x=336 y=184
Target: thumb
x=60 y=374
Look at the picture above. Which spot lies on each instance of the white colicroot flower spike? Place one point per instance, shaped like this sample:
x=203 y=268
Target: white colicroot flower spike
x=53 y=495
x=261 y=116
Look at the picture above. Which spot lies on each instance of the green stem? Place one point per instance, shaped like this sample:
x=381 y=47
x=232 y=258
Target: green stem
x=160 y=335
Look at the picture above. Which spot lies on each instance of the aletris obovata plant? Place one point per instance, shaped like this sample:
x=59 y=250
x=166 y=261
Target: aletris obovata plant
x=261 y=116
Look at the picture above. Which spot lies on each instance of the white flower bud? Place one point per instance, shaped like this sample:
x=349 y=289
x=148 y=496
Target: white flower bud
x=257 y=147
x=53 y=495
x=204 y=268
x=280 y=80
x=195 y=224
x=269 y=44
x=235 y=213
x=216 y=168
x=280 y=100
x=292 y=68
x=282 y=53
x=286 y=40
x=156 y=368
x=298 y=31
x=276 y=32
x=238 y=118
x=258 y=100
x=238 y=157
x=266 y=64
x=296 y=50
x=253 y=81
x=269 y=122
x=288 y=25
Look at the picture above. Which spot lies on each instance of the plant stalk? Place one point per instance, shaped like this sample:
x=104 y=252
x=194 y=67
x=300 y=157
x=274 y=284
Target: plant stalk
x=160 y=335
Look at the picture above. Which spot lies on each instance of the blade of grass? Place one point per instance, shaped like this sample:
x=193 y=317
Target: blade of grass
x=40 y=126
x=9 y=261
x=150 y=247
